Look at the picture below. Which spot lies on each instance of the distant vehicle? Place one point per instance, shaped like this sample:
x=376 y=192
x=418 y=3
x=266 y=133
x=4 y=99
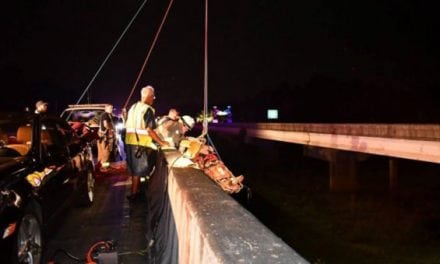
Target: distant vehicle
x=44 y=168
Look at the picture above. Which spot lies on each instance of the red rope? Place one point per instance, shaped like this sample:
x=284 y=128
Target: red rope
x=89 y=256
x=148 y=54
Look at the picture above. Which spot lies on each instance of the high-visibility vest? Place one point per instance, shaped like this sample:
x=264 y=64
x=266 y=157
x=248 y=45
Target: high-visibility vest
x=172 y=133
x=136 y=130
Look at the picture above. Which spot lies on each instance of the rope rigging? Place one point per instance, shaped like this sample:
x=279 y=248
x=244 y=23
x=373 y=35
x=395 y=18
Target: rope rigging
x=111 y=51
x=205 y=83
x=147 y=57
x=210 y=162
x=148 y=54
x=205 y=86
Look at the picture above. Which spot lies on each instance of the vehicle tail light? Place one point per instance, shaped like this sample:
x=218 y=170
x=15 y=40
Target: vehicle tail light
x=9 y=230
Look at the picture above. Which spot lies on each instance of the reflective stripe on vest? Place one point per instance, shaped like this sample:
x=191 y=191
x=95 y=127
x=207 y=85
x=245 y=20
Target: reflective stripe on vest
x=141 y=140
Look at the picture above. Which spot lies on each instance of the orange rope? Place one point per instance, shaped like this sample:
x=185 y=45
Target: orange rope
x=148 y=54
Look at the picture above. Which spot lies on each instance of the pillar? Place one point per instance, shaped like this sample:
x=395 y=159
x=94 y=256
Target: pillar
x=392 y=175
x=343 y=170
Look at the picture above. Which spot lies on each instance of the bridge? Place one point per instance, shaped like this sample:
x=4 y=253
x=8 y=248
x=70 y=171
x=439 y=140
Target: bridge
x=201 y=224
x=191 y=220
x=343 y=145
x=417 y=142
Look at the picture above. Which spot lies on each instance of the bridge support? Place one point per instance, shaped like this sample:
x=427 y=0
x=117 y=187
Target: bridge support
x=342 y=167
x=392 y=174
x=343 y=170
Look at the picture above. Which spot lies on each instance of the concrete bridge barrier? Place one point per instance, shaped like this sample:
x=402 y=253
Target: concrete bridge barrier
x=191 y=220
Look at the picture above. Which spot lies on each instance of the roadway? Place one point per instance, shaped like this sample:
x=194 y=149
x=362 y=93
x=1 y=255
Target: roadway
x=110 y=217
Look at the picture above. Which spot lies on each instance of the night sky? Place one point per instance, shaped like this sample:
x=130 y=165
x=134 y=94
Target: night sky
x=315 y=61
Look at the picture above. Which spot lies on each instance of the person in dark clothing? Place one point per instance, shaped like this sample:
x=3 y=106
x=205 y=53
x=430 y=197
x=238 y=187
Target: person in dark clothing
x=41 y=107
x=106 y=139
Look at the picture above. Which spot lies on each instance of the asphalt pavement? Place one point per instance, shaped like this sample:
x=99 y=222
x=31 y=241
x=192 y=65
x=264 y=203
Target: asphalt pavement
x=110 y=221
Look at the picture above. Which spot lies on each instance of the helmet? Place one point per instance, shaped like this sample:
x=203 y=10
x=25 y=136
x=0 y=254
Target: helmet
x=188 y=121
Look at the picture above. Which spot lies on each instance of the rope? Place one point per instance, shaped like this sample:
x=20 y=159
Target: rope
x=205 y=84
x=213 y=146
x=148 y=54
x=111 y=51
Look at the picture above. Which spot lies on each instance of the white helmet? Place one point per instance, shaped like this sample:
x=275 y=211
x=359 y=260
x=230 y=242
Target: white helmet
x=188 y=121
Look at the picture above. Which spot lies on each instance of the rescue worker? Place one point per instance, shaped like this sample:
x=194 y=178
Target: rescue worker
x=173 y=115
x=106 y=141
x=176 y=129
x=188 y=123
x=168 y=127
x=140 y=137
x=41 y=107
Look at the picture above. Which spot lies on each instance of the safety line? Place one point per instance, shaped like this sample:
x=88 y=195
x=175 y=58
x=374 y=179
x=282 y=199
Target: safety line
x=213 y=146
x=111 y=51
x=148 y=54
x=205 y=83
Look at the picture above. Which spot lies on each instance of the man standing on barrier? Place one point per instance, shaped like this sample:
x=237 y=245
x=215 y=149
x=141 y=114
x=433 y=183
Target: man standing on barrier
x=140 y=138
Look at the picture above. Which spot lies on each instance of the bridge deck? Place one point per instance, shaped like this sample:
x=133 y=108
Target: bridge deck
x=429 y=132
x=417 y=142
